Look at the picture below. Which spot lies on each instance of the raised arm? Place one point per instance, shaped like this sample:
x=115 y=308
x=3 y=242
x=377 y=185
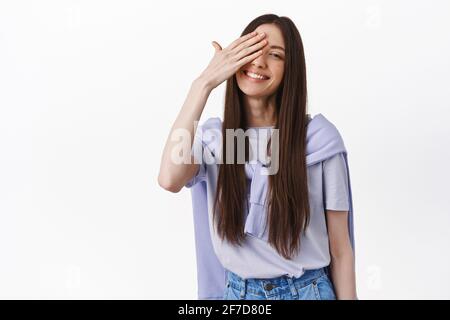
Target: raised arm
x=173 y=176
x=225 y=63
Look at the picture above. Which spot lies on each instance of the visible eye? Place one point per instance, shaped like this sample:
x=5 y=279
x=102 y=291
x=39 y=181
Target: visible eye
x=276 y=55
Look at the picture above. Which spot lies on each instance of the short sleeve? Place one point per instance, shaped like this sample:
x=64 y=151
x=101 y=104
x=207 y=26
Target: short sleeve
x=335 y=183
x=202 y=144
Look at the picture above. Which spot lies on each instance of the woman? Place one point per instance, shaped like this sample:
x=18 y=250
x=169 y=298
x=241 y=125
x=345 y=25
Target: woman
x=281 y=235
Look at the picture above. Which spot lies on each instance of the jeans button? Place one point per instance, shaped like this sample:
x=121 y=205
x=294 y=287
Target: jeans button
x=268 y=286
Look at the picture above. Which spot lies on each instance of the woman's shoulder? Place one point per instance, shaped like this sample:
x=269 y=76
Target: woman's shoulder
x=209 y=133
x=212 y=123
x=322 y=121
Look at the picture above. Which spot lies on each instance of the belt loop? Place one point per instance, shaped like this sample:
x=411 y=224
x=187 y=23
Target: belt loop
x=326 y=270
x=243 y=288
x=227 y=278
x=292 y=286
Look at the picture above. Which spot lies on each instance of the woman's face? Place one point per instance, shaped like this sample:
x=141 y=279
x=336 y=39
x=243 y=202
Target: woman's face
x=269 y=64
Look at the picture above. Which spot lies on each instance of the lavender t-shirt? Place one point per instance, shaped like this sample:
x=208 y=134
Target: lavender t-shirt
x=256 y=258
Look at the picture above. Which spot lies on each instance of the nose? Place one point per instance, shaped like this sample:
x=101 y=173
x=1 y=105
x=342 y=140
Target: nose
x=259 y=61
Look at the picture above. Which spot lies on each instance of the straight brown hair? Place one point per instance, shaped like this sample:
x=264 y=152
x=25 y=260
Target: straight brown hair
x=287 y=195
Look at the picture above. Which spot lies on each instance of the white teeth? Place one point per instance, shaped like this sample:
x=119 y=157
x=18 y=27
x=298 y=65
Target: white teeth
x=256 y=76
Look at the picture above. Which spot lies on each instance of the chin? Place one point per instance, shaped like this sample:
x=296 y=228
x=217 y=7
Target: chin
x=254 y=92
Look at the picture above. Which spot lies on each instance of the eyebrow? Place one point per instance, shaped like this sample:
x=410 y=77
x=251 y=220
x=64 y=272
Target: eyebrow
x=276 y=47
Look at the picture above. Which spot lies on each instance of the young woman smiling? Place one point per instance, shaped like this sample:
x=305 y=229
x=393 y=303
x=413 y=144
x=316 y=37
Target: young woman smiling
x=287 y=235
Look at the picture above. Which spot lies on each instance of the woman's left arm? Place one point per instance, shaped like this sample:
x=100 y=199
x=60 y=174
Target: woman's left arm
x=342 y=258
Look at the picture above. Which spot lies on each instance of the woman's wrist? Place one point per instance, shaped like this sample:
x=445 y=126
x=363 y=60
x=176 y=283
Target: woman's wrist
x=203 y=84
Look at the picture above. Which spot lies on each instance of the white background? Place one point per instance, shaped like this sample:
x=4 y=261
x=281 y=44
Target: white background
x=89 y=91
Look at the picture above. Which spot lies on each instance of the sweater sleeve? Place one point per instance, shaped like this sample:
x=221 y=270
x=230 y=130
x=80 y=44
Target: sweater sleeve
x=204 y=148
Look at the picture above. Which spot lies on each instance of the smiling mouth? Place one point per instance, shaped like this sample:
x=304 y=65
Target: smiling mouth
x=255 y=78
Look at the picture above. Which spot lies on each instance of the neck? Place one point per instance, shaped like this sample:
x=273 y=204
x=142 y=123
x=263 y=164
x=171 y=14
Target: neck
x=260 y=112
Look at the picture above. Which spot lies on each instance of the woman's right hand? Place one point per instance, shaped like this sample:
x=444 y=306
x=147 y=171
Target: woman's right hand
x=226 y=62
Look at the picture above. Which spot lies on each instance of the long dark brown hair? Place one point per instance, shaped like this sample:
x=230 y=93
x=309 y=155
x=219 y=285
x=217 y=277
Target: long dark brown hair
x=287 y=196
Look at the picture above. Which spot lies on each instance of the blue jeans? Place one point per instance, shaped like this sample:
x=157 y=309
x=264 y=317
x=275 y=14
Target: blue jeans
x=312 y=285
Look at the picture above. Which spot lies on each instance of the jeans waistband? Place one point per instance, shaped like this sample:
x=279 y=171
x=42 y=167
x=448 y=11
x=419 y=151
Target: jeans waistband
x=285 y=280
